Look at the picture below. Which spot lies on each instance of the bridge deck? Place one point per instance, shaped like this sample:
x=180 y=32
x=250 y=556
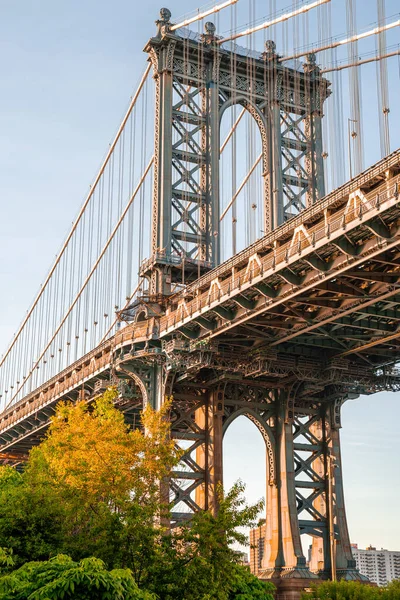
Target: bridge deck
x=322 y=287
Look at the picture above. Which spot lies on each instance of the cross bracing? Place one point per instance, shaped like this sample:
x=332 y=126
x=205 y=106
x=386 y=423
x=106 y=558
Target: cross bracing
x=112 y=233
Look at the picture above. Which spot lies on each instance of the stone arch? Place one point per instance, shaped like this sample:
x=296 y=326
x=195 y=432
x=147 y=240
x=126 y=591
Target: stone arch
x=266 y=433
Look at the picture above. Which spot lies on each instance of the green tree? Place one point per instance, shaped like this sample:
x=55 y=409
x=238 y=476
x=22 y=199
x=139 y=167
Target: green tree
x=93 y=488
x=62 y=578
x=392 y=590
x=107 y=479
x=246 y=586
x=30 y=517
x=198 y=561
x=352 y=590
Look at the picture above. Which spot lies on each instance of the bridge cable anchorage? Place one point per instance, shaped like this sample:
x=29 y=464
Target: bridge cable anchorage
x=116 y=228
x=80 y=214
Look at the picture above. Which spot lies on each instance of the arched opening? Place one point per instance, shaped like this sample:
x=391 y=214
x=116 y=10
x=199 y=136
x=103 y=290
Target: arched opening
x=141 y=316
x=241 y=180
x=244 y=457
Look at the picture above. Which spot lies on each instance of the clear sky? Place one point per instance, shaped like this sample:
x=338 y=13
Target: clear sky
x=68 y=70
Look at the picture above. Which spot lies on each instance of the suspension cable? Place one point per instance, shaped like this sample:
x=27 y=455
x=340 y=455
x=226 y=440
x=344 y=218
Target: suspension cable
x=79 y=217
x=89 y=276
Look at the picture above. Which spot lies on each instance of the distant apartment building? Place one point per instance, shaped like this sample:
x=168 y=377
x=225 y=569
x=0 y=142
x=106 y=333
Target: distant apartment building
x=380 y=566
x=257 y=548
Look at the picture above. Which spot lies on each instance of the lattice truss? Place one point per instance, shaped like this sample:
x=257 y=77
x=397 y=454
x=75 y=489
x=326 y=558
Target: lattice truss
x=310 y=473
x=188 y=236
x=188 y=485
x=317 y=480
x=295 y=179
x=196 y=82
x=189 y=474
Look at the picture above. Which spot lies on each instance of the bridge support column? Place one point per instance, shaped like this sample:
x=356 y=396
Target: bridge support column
x=307 y=498
x=332 y=545
x=314 y=159
x=345 y=563
x=209 y=455
x=283 y=552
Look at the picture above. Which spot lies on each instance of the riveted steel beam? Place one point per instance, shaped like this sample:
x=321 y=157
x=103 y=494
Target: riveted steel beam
x=346 y=246
x=244 y=302
x=225 y=313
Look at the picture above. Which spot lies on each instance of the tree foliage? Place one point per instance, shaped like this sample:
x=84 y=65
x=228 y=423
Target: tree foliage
x=198 y=561
x=94 y=488
x=30 y=517
x=62 y=578
x=96 y=454
x=353 y=590
x=246 y=586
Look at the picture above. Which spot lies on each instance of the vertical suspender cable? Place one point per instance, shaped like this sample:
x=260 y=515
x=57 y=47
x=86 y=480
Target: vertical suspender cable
x=81 y=212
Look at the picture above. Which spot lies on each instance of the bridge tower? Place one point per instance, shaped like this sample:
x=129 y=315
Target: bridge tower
x=197 y=79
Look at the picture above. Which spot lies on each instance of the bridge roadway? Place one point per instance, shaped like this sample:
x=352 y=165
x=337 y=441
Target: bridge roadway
x=316 y=300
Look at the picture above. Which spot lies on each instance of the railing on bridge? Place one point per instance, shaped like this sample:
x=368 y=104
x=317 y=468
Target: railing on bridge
x=280 y=257
x=100 y=358
x=338 y=196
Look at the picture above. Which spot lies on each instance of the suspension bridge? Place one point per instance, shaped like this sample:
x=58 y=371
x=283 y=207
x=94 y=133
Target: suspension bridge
x=226 y=266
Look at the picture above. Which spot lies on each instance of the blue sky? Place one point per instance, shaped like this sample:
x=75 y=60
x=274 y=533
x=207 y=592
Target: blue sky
x=68 y=71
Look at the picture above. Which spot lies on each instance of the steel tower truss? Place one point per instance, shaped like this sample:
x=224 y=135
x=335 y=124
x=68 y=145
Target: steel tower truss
x=197 y=79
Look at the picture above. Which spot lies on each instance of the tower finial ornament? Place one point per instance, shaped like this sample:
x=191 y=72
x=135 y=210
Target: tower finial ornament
x=210 y=28
x=164 y=22
x=311 y=63
x=270 y=51
x=209 y=33
x=165 y=15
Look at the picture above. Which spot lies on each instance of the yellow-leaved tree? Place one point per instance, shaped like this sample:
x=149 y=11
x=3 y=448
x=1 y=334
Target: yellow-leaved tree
x=94 y=452
x=108 y=478
x=95 y=487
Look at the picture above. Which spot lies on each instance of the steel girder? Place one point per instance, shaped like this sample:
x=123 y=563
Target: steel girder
x=331 y=282
x=320 y=297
